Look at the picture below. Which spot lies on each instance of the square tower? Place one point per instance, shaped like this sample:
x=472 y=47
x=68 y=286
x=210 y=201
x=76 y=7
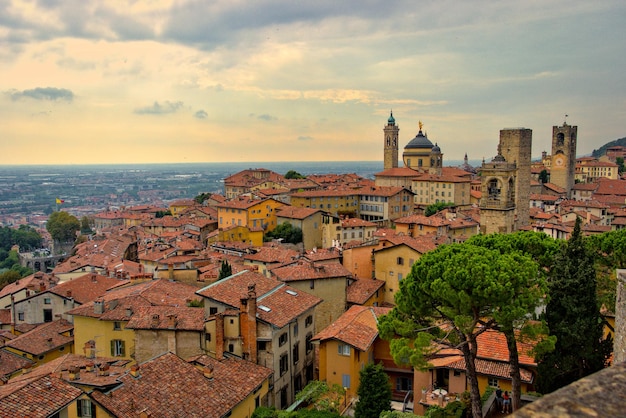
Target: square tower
x=390 y=139
x=497 y=204
x=563 y=158
x=516 y=148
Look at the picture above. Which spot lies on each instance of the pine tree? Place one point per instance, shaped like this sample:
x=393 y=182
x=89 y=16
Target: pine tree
x=573 y=316
x=225 y=270
x=374 y=392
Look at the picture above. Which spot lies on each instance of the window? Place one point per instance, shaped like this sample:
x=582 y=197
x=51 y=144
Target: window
x=282 y=339
x=296 y=353
x=400 y=261
x=344 y=349
x=261 y=345
x=404 y=384
x=312 y=284
x=295 y=329
x=309 y=344
x=493 y=382
x=231 y=348
x=207 y=337
x=308 y=321
x=212 y=311
x=85 y=408
x=117 y=326
x=47 y=315
x=399 y=277
x=284 y=365
x=47 y=301
x=117 y=348
x=345 y=381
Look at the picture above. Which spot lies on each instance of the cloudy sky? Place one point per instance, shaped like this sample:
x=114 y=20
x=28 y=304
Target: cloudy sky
x=149 y=81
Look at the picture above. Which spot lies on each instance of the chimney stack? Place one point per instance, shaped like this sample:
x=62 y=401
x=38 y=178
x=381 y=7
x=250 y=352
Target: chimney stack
x=134 y=370
x=219 y=336
x=155 y=320
x=208 y=372
x=98 y=306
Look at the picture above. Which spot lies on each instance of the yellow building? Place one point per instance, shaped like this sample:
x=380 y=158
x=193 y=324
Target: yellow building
x=394 y=258
x=100 y=326
x=249 y=211
x=44 y=343
x=336 y=202
x=351 y=343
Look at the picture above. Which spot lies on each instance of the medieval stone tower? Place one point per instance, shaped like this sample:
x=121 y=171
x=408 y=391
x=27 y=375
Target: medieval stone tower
x=563 y=159
x=497 y=204
x=516 y=148
x=391 y=143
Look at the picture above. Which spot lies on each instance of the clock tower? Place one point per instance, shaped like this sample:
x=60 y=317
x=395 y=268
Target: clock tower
x=563 y=158
x=391 y=143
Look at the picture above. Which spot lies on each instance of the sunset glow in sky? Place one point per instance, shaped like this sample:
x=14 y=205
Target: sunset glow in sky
x=152 y=81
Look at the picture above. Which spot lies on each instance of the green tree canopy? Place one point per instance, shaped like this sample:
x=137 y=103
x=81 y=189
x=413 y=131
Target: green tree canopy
x=225 y=270
x=292 y=174
x=573 y=316
x=374 y=392
x=543 y=176
x=85 y=225
x=436 y=207
x=289 y=233
x=452 y=295
x=62 y=226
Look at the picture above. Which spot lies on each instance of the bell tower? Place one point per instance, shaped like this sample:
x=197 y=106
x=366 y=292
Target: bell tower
x=497 y=204
x=563 y=158
x=391 y=143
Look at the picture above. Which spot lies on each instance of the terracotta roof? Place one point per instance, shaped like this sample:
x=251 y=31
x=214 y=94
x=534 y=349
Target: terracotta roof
x=611 y=187
x=11 y=363
x=40 y=397
x=398 y=172
x=5 y=316
x=272 y=254
x=37 y=281
x=284 y=304
x=554 y=188
x=303 y=269
x=44 y=338
x=87 y=287
x=492 y=346
x=498 y=369
x=153 y=292
x=422 y=244
x=358 y=327
x=231 y=289
x=323 y=254
x=292 y=212
x=385 y=191
x=179 y=318
x=168 y=386
x=356 y=223
x=544 y=197
x=361 y=290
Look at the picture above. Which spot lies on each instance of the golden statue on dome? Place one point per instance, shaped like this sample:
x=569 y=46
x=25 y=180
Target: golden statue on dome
x=421 y=124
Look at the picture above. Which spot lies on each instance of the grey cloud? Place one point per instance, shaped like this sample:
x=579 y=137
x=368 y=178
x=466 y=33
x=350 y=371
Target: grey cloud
x=44 y=93
x=305 y=138
x=201 y=114
x=266 y=117
x=159 y=109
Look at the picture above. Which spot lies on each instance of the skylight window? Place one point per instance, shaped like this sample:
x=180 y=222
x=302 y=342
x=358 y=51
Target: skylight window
x=292 y=292
x=265 y=308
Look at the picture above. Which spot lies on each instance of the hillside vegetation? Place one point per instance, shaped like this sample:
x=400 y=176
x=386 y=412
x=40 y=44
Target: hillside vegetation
x=602 y=150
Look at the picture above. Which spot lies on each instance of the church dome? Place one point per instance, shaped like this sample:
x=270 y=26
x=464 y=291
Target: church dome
x=436 y=149
x=420 y=141
x=391 y=119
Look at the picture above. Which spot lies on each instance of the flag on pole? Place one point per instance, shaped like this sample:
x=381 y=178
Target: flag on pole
x=59 y=201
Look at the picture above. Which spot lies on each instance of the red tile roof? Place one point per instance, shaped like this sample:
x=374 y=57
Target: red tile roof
x=167 y=317
x=303 y=269
x=292 y=212
x=11 y=363
x=361 y=290
x=168 y=386
x=46 y=337
x=231 y=289
x=87 y=287
x=284 y=304
x=38 y=398
x=358 y=327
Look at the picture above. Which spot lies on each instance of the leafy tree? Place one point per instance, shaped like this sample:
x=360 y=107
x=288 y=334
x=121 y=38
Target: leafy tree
x=225 y=270
x=543 y=176
x=85 y=225
x=291 y=174
x=289 y=233
x=163 y=213
x=449 y=299
x=8 y=277
x=25 y=236
x=573 y=316
x=526 y=294
x=321 y=396
x=202 y=197
x=62 y=226
x=436 y=207
x=374 y=392
x=609 y=251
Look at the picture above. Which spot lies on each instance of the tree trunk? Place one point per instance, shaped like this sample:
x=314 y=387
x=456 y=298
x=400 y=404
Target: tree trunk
x=470 y=369
x=516 y=377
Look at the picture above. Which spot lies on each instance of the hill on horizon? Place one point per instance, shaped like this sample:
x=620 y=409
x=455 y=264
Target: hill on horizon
x=602 y=150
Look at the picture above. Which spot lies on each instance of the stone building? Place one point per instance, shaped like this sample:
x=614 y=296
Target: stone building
x=563 y=158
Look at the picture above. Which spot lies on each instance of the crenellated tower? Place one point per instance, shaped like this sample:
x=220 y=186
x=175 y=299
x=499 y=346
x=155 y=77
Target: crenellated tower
x=391 y=131
x=563 y=158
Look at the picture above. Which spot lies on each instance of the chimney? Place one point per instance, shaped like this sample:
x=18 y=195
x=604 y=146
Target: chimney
x=104 y=369
x=134 y=370
x=219 y=336
x=129 y=312
x=74 y=373
x=172 y=321
x=90 y=349
x=68 y=293
x=98 y=306
x=208 y=372
x=94 y=278
x=155 y=320
x=248 y=324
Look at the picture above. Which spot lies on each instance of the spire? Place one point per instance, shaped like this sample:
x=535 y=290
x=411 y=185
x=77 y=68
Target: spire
x=391 y=119
x=465 y=159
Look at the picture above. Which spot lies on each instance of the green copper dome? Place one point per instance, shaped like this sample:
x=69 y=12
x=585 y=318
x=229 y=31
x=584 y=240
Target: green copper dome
x=391 y=119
